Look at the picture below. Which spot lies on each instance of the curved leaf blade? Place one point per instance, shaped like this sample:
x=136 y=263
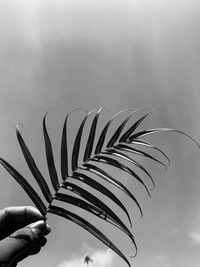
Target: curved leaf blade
x=117 y=133
x=64 y=149
x=77 y=142
x=143 y=143
x=88 y=227
x=50 y=158
x=95 y=201
x=95 y=210
x=107 y=177
x=158 y=130
x=126 y=135
x=127 y=148
x=84 y=205
x=99 y=187
x=117 y=164
x=26 y=186
x=121 y=155
x=33 y=168
x=90 y=142
x=104 y=132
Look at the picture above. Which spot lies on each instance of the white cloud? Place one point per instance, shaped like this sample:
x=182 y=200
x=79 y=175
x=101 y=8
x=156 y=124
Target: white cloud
x=195 y=236
x=100 y=258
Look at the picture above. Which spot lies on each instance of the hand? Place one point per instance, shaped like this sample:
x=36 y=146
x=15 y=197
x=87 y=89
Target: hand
x=22 y=233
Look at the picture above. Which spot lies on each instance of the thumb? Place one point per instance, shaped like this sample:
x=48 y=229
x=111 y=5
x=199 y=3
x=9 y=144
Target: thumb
x=13 y=247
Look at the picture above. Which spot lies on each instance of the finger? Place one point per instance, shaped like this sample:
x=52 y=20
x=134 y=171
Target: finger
x=33 y=250
x=17 y=246
x=13 y=218
x=37 y=247
x=47 y=228
x=41 y=242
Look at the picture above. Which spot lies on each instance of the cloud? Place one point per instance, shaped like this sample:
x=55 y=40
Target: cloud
x=195 y=236
x=100 y=258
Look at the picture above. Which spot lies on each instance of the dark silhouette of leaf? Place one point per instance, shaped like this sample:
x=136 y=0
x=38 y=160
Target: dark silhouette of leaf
x=95 y=201
x=64 y=152
x=64 y=148
x=117 y=133
x=143 y=143
x=77 y=142
x=90 y=142
x=126 y=135
x=127 y=148
x=158 y=130
x=117 y=164
x=49 y=156
x=104 y=132
x=96 y=210
x=102 y=189
x=101 y=173
x=121 y=155
x=93 y=162
x=87 y=226
x=25 y=185
x=33 y=168
x=84 y=205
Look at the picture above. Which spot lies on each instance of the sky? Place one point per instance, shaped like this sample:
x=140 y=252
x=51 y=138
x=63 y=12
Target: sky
x=118 y=54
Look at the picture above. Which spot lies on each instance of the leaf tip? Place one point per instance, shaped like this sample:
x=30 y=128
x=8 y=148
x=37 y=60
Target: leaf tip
x=19 y=125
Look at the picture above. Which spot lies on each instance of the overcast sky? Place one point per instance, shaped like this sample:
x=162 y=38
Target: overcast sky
x=120 y=54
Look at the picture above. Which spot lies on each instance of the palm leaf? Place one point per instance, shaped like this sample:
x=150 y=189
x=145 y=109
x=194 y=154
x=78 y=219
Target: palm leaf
x=26 y=186
x=77 y=142
x=75 y=201
x=107 y=177
x=117 y=133
x=118 y=152
x=95 y=201
x=50 y=157
x=114 y=152
x=33 y=168
x=147 y=144
x=90 y=142
x=99 y=187
x=64 y=152
x=64 y=149
x=104 y=132
x=119 y=165
x=158 y=130
x=126 y=135
x=98 y=208
x=87 y=226
x=124 y=147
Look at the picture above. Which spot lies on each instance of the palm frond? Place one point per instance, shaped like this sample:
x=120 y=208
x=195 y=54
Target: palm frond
x=107 y=177
x=99 y=187
x=50 y=157
x=87 y=226
x=33 y=168
x=26 y=186
x=117 y=151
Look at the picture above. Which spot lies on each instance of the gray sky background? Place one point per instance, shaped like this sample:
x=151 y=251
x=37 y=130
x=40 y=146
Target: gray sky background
x=120 y=54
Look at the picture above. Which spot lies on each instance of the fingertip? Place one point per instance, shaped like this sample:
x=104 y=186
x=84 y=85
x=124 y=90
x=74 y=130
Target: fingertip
x=38 y=227
x=33 y=212
x=48 y=229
